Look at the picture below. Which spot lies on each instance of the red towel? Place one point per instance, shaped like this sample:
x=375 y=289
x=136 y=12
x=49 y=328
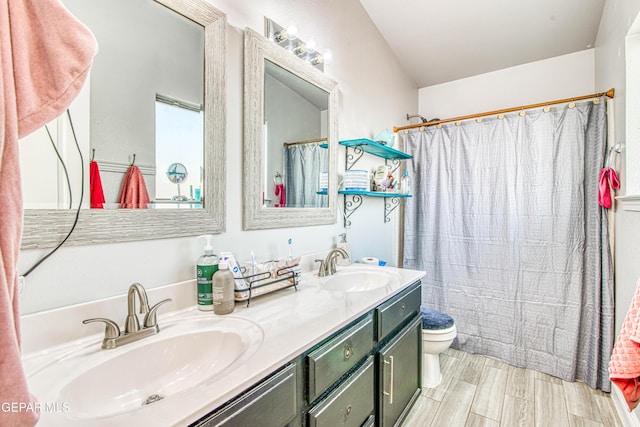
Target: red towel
x=279 y=191
x=45 y=57
x=133 y=193
x=95 y=186
x=608 y=180
x=624 y=365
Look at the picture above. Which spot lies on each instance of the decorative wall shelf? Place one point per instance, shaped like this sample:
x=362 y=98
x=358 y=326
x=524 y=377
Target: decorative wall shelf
x=391 y=202
x=353 y=199
x=365 y=145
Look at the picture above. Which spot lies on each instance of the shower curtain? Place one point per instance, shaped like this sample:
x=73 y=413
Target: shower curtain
x=303 y=164
x=505 y=222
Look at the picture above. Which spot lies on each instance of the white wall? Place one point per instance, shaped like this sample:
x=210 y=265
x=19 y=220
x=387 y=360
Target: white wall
x=556 y=78
x=610 y=72
x=375 y=93
x=610 y=67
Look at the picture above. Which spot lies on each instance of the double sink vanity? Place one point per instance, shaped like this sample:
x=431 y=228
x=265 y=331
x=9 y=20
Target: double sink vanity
x=344 y=349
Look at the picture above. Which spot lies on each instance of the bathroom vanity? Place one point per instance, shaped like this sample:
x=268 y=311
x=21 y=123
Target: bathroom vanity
x=368 y=373
x=341 y=350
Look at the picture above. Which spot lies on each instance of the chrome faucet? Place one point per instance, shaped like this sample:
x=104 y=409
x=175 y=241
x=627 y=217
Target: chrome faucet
x=328 y=265
x=114 y=338
x=131 y=324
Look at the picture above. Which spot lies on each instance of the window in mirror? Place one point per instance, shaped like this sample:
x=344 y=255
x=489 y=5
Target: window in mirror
x=179 y=135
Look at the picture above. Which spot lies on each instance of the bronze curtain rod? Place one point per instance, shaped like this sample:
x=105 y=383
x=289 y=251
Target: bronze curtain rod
x=610 y=93
x=308 y=141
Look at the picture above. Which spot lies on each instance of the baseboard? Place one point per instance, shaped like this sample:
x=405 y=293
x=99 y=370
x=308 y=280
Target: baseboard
x=629 y=419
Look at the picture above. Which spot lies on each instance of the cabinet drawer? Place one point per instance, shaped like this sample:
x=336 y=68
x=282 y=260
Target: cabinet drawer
x=334 y=359
x=350 y=405
x=272 y=403
x=393 y=313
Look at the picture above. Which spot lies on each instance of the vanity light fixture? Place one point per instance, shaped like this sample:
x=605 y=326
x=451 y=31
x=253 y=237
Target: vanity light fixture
x=325 y=56
x=286 y=33
x=307 y=50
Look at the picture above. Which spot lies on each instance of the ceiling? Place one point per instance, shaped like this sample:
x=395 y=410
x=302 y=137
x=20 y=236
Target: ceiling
x=441 y=41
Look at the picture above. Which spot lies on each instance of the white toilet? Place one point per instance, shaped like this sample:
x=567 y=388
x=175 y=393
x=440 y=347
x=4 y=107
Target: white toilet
x=438 y=332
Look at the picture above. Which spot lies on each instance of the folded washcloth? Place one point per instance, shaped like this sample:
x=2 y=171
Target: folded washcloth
x=95 y=186
x=624 y=365
x=433 y=319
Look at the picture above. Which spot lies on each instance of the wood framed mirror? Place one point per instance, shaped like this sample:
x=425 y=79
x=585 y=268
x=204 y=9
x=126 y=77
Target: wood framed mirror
x=290 y=111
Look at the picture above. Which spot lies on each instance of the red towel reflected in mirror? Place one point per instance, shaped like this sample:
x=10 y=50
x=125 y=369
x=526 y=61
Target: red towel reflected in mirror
x=95 y=186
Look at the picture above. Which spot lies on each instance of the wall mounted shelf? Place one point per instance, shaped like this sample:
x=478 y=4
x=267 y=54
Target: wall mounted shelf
x=365 y=145
x=353 y=199
x=391 y=202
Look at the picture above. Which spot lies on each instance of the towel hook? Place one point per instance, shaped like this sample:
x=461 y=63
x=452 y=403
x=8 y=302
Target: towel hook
x=133 y=162
x=613 y=151
x=93 y=154
x=277 y=176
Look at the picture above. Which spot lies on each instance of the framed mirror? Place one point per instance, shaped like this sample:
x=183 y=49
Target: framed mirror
x=47 y=227
x=290 y=137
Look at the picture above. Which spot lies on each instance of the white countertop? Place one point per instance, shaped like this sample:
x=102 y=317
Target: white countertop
x=291 y=322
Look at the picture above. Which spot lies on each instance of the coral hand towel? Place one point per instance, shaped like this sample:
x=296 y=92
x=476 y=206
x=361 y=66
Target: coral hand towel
x=624 y=366
x=133 y=193
x=45 y=56
x=95 y=186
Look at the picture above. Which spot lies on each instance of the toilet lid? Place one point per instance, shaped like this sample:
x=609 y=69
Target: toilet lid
x=433 y=319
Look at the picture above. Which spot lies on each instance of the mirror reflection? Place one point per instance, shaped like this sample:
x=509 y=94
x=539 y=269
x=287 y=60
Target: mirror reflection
x=144 y=100
x=290 y=108
x=296 y=148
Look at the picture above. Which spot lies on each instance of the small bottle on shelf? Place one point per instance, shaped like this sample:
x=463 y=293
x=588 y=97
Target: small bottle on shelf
x=405 y=183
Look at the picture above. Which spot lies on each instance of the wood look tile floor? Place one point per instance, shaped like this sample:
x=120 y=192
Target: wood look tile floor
x=477 y=391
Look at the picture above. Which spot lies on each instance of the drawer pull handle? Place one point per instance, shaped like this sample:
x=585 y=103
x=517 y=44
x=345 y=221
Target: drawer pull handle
x=347 y=351
x=403 y=306
x=347 y=411
x=390 y=393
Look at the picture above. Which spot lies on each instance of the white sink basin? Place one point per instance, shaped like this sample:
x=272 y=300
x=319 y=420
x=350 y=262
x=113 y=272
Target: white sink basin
x=360 y=279
x=98 y=383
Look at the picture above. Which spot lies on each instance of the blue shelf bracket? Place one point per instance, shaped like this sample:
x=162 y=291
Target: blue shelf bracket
x=390 y=204
x=352 y=158
x=350 y=206
x=395 y=164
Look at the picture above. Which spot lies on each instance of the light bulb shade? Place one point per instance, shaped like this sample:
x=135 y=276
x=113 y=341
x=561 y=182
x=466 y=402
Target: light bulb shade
x=300 y=49
x=312 y=44
x=291 y=30
x=327 y=56
x=281 y=35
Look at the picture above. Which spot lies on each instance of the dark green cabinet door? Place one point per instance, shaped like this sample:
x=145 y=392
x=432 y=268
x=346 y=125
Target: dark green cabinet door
x=399 y=371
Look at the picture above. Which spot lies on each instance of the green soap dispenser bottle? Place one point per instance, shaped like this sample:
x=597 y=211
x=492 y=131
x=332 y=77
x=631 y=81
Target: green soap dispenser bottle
x=206 y=266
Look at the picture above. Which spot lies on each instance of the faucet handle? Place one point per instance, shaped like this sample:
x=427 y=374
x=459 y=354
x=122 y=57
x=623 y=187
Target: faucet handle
x=150 y=320
x=322 y=270
x=111 y=330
